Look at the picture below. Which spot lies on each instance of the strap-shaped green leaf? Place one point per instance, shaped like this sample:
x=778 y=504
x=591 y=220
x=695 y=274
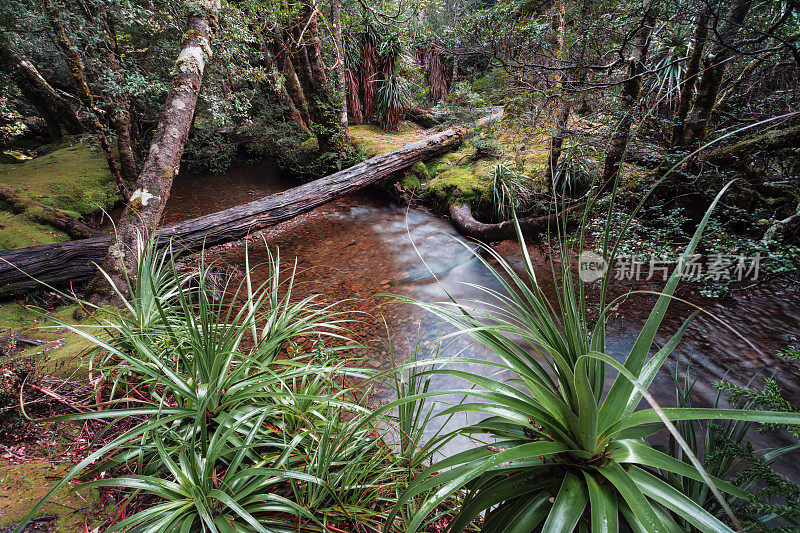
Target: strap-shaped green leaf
x=632 y=494
x=603 y=504
x=677 y=502
x=568 y=507
x=618 y=397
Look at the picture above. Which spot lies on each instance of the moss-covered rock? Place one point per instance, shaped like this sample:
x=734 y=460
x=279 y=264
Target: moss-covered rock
x=457 y=183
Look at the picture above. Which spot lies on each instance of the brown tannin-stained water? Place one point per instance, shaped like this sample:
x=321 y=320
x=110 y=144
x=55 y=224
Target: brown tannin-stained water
x=361 y=248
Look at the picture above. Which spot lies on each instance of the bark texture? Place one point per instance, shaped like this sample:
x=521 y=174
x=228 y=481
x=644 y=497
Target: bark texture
x=152 y=188
x=465 y=223
x=54 y=109
x=62 y=263
x=629 y=98
x=715 y=65
x=422 y=117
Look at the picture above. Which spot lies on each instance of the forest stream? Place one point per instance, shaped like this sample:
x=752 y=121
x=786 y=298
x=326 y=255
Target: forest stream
x=363 y=247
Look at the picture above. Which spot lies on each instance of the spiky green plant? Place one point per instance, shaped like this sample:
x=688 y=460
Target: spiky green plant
x=669 y=63
x=220 y=433
x=510 y=190
x=560 y=450
x=572 y=177
x=393 y=97
x=727 y=453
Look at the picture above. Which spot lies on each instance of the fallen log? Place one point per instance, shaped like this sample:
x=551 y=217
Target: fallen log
x=767 y=142
x=465 y=223
x=422 y=117
x=41 y=213
x=76 y=261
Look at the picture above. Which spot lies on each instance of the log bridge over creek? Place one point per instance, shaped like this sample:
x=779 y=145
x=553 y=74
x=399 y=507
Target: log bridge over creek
x=23 y=269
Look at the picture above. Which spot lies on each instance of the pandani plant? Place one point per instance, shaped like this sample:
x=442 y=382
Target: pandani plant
x=213 y=425
x=560 y=447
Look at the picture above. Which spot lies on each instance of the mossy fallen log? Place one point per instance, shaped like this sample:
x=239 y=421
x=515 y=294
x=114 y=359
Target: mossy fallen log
x=76 y=261
x=41 y=213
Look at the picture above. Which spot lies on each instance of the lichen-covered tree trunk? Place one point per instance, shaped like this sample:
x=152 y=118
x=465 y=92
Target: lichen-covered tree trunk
x=53 y=108
x=716 y=63
x=689 y=79
x=291 y=112
x=629 y=97
x=75 y=63
x=143 y=212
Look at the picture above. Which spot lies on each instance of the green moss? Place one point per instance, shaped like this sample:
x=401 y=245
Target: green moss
x=376 y=141
x=458 y=183
x=68 y=360
x=420 y=170
x=25 y=484
x=73 y=179
x=411 y=182
x=17 y=231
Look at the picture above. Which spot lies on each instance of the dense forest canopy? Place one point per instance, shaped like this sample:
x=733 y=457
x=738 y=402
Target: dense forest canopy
x=615 y=147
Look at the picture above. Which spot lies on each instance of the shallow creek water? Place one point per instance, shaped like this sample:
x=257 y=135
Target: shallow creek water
x=362 y=247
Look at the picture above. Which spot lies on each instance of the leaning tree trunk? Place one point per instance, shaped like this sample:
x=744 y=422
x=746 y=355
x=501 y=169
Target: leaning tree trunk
x=291 y=113
x=629 y=97
x=281 y=55
x=711 y=80
x=75 y=63
x=54 y=109
x=690 y=77
x=62 y=263
x=143 y=212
